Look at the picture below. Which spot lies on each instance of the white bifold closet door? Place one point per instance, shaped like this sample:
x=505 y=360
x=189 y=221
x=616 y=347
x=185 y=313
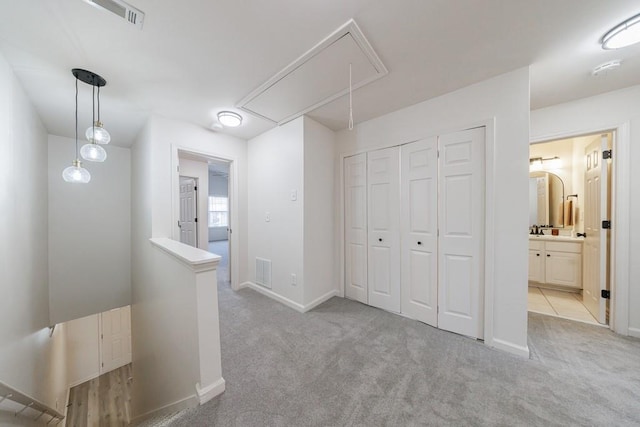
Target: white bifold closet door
x=383 y=180
x=419 y=230
x=355 y=201
x=461 y=225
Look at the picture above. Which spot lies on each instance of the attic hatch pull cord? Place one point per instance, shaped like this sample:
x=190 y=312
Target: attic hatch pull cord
x=350 y=100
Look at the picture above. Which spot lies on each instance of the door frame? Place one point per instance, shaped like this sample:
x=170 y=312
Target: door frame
x=620 y=219
x=486 y=312
x=234 y=238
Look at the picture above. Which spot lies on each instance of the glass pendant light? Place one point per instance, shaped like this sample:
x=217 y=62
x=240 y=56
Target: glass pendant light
x=97 y=133
x=92 y=151
x=76 y=173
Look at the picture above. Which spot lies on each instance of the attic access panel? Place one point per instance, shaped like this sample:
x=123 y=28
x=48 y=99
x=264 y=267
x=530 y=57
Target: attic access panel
x=318 y=77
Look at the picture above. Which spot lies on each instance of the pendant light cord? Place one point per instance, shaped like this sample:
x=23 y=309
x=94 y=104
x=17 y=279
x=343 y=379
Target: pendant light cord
x=98 y=103
x=93 y=114
x=77 y=157
x=350 y=100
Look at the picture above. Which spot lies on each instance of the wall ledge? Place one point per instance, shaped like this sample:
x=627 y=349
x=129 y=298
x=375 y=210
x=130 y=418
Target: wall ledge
x=194 y=258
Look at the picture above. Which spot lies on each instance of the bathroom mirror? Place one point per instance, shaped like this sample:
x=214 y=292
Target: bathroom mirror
x=546 y=200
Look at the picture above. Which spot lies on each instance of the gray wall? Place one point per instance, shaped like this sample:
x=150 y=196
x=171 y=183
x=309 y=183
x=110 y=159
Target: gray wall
x=89 y=234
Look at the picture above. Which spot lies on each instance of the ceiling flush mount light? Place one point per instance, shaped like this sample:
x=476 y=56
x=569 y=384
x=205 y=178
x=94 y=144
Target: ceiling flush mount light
x=606 y=67
x=229 y=119
x=623 y=35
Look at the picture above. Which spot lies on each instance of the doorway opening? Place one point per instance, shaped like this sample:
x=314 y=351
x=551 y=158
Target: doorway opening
x=218 y=215
x=206 y=188
x=570 y=201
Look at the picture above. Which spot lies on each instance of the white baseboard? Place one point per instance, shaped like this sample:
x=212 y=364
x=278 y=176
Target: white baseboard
x=210 y=391
x=186 y=403
x=286 y=301
x=522 y=351
x=268 y=292
x=634 y=332
x=316 y=302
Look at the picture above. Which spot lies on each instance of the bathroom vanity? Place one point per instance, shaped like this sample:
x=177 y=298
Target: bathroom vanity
x=556 y=261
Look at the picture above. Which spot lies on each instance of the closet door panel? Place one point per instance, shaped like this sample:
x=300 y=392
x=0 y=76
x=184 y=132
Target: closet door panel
x=383 y=181
x=355 y=211
x=419 y=228
x=461 y=222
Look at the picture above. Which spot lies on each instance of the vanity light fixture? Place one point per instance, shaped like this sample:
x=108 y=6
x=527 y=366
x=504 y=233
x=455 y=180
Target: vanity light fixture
x=623 y=35
x=537 y=163
x=229 y=119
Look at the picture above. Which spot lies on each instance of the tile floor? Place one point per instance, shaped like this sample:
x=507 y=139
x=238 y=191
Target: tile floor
x=567 y=305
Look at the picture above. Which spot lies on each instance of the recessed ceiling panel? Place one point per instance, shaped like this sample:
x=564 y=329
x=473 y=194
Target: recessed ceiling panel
x=318 y=77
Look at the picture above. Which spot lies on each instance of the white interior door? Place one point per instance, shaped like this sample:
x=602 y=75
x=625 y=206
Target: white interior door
x=461 y=227
x=419 y=230
x=383 y=182
x=355 y=227
x=595 y=210
x=188 y=216
x=115 y=338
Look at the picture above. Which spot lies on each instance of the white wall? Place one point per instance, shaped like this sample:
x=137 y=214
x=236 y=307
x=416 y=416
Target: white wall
x=30 y=360
x=163 y=314
x=319 y=211
x=199 y=170
x=168 y=133
x=503 y=101
x=89 y=234
x=598 y=113
x=83 y=349
x=275 y=170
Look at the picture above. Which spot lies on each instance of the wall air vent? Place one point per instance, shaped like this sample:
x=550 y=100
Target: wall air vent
x=123 y=10
x=263 y=272
x=316 y=78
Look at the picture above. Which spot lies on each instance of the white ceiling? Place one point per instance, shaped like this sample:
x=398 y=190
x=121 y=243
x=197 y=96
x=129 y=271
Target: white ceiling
x=195 y=58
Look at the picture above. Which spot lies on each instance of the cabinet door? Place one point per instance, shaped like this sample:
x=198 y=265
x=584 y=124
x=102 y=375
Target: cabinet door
x=536 y=271
x=563 y=268
x=383 y=182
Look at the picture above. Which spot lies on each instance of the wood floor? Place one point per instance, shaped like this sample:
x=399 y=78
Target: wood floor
x=103 y=401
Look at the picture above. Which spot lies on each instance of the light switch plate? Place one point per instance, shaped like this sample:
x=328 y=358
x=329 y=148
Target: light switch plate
x=267 y=216
x=294 y=195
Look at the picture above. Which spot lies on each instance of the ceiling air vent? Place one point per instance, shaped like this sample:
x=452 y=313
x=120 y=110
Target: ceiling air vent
x=123 y=10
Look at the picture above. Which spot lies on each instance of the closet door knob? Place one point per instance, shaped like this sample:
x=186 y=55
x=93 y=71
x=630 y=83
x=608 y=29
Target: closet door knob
x=537 y=254
x=419 y=243
x=379 y=239
x=548 y=255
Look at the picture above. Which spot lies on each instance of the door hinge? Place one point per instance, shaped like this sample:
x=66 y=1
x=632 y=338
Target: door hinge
x=607 y=154
x=177 y=168
x=101 y=336
x=606 y=225
x=103 y=364
x=196 y=220
x=195 y=188
x=605 y=294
